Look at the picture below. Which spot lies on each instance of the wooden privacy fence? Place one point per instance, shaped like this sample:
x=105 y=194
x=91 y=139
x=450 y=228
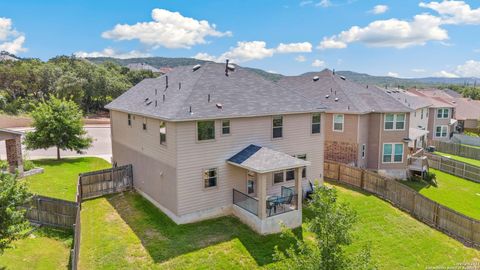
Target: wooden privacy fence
x=99 y=183
x=456 y=149
x=457 y=225
x=454 y=167
x=51 y=212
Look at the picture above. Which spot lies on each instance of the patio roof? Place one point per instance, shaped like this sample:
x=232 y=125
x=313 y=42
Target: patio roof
x=263 y=160
x=6 y=134
x=415 y=133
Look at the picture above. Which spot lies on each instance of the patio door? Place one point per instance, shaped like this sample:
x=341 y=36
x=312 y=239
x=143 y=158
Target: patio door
x=251 y=183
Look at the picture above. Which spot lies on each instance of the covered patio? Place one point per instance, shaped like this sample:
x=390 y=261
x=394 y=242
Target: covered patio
x=13 y=143
x=283 y=205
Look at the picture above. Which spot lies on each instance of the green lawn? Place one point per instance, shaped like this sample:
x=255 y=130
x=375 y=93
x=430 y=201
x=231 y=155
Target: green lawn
x=459 y=158
x=452 y=191
x=126 y=231
x=42 y=249
x=60 y=177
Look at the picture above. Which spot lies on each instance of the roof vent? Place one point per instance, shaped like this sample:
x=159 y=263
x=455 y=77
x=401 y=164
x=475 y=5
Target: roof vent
x=336 y=99
x=155 y=91
x=148 y=103
x=327 y=96
x=348 y=107
x=315 y=78
x=231 y=67
x=226 y=67
x=196 y=67
x=343 y=78
x=190 y=110
x=163 y=98
x=156 y=103
x=146 y=99
x=219 y=105
x=208 y=97
x=166 y=82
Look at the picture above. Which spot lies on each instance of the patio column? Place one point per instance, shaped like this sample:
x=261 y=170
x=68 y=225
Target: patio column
x=14 y=154
x=298 y=187
x=262 y=195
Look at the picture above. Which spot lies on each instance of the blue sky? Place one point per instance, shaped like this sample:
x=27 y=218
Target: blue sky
x=399 y=38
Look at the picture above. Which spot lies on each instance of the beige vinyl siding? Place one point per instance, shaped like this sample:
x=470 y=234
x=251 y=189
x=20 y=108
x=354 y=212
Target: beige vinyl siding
x=194 y=157
x=154 y=165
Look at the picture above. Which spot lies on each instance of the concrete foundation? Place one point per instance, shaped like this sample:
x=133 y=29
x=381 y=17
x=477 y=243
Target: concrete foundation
x=269 y=225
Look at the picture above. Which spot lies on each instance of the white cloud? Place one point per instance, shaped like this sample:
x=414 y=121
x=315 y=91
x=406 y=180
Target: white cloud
x=318 y=63
x=418 y=70
x=445 y=74
x=454 y=12
x=109 y=52
x=10 y=39
x=324 y=3
x=168 y=29
x=300 y=58
x=205 y=56
x=379 y=9
x=294 y=47
x=304 y=3
x=393 y=74
x=470 y=68
x=390 y=33
x=476 y=50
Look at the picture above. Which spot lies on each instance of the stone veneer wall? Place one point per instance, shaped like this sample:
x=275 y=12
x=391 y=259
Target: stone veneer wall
x=342 y=152
x=14 y=154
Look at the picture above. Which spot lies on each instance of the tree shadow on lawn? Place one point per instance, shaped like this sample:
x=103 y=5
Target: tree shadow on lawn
x=164 y=240
x=62 y=161
x=418 y=185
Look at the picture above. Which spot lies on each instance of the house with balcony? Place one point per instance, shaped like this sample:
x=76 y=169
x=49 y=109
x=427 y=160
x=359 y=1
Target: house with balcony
x=219 y=139
x=364 y=126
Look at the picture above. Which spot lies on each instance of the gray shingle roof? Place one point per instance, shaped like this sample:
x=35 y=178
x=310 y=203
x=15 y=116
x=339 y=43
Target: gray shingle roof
x=242 y=93
x=407 y=98
x=262 y=160
x=351 y=97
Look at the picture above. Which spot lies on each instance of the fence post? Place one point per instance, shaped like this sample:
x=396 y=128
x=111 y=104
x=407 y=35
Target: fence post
x=38 y=208
x=362 y=181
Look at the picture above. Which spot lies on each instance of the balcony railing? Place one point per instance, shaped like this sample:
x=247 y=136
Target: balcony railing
x=286 y=202
x=246 y=202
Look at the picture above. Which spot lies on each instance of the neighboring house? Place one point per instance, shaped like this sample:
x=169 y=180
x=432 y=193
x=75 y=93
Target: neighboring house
x=142 y=66
x=364 y=126
x=7 y=57
x=467 y=112
x=218 y=139
x=441 y=120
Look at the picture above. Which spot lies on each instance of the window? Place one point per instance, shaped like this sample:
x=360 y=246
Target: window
x=277 y=124
x=421 y=114
x=304 y=170
x=163 y=133
x=290 y=174
x=225 y=127
x=277 y=177
x=129 y=119
x=210 y=178
x=394 y=121
x=338 y=120
x=316 y=118
x=393 y=153
x=364 y=149
x=206 y=130
x=441 y=131
x=144 y=125
x=442 y=113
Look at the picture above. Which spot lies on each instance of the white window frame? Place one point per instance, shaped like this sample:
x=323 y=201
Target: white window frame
x=273 y=177
x=319 y=123
x=395 y=116
x=343 y=122
x=206 y=140
x=164 y=141
x=392 y=159
x=229 y=127
x=443 y=113
x=129 y=120
x=441 y=131
x=204 y=178
x=279 y=127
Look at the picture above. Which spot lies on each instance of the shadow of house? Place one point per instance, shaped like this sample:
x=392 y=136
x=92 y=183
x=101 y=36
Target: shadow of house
x=165 y=240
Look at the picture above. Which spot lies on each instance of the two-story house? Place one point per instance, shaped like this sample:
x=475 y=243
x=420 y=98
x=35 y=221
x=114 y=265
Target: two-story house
x=218 y=139
x=364 y=126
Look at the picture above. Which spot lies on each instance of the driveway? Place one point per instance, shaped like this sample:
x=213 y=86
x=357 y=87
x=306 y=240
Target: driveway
x=101 y=146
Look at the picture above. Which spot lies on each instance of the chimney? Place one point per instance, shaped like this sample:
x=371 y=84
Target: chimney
x=226 y=68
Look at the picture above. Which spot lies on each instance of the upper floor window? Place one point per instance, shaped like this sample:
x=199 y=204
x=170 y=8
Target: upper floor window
x=394 y=121
x=144 y=124
x=364 y=150
x=129 y=119
x=163 y=133
x=441 y=131
x=338 y=121
x=316 y=121
x=392 y=152
x=277 y=126
x=225 y=127
x=210 y=178
x=206 y=130
x=443 y=113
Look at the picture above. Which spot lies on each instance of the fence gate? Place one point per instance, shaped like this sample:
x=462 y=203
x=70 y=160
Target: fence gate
x=98 y=183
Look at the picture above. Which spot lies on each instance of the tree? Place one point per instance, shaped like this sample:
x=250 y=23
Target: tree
x=13 y=195
x=57 y=123
x=331 y=225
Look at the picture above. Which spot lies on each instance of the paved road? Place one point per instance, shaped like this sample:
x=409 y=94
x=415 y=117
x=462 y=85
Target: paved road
x=101 y=146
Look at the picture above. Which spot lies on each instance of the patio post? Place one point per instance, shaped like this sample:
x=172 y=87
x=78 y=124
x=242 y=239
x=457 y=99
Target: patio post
x=14 y=154
x=262 y=195
x=298 y=187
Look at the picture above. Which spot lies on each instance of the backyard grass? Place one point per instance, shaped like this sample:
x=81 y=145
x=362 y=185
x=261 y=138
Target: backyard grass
x=125 y=231
x=44 y=248
x=457 y=193
x=471 y=161
x=60 y=177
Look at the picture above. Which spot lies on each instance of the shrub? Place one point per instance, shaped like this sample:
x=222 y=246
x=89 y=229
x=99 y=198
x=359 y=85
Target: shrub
x=3 y=165
x=429 y=177
x=28 y=165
